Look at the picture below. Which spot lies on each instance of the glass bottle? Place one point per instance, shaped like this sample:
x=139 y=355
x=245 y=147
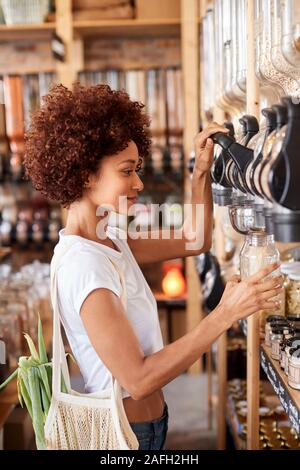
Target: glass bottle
x=257 y=252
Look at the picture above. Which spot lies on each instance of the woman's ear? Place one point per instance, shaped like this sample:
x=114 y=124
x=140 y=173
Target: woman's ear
x=92 y=180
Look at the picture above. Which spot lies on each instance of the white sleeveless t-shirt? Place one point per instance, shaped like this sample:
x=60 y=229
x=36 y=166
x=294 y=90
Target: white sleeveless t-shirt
x=86 y=267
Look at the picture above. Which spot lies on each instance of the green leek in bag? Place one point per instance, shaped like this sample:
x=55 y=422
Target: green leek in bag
x=34 y=385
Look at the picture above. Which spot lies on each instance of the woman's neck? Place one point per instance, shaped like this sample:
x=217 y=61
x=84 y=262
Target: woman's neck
x=83 y=220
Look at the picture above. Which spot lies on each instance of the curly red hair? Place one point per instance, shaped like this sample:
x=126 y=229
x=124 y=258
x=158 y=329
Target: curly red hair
x=73 y=130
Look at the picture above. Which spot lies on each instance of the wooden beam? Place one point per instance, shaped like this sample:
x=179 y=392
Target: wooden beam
x=67 y=70
x=253 y=360
x=190 y=67
x=222 y=391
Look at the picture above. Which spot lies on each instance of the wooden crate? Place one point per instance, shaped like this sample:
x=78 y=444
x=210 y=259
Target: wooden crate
x=157 y=9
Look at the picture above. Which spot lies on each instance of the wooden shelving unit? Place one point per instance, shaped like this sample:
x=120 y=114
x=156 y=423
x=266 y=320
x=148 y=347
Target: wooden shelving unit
x=234 y=425
x=250 y=326
x=128 y=28
x=289 y=397
x=25 y=31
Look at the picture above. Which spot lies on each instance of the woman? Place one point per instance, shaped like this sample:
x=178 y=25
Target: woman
x=84 y=149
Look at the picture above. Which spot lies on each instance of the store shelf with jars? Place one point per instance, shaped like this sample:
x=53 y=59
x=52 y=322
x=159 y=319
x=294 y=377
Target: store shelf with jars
x=285 y=386
x=275 y=431
x=255 y=171
x=28 y=221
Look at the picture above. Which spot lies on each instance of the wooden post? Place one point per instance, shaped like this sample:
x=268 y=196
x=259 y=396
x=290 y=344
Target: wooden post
x=74 y=61
x=222 y=391
x=219 y=244
x=67 y=70
x=190 y=67
x=253 y=362
x=209 y=375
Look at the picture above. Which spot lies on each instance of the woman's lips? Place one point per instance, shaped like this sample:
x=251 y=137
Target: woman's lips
x=132 y=199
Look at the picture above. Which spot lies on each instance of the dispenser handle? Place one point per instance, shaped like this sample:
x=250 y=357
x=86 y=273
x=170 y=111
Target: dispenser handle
x=224 y=140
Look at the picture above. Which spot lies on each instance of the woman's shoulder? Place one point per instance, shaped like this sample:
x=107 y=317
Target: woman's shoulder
x=83 y=269
x=83 y=259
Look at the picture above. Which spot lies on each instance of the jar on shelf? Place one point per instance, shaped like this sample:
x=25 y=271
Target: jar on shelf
x=294 y=368
x=288 y=333
x=276 y=338
x=272 y=320
x=293 y=294
x=291 y=344
x=286 y=269
x=258 y=251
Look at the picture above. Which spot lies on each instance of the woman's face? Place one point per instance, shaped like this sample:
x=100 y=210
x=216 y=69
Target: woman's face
x=117 y=183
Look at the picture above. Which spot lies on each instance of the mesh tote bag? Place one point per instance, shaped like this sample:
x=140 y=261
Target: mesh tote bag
x=76 y=421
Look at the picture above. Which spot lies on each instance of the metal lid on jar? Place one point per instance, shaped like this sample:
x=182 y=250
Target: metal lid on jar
x=272 y=318
x=288 y=330
x=292 y=266
x=293 y=318
x=277 y=324
x=295 y=352
x=294 y=275
x=277 y=331
x=293 y=341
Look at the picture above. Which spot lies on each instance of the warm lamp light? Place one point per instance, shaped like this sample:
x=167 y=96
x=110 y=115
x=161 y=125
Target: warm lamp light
x=173 y=284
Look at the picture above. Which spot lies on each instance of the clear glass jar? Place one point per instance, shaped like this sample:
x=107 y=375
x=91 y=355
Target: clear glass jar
x=293 y=294
x=276 y=338
x=257 y=252
x=291 y=343
x=270 y=321
x=294 y=368
x=290 y=41
x=267 y=69
x=288 y=333
x=280 y=11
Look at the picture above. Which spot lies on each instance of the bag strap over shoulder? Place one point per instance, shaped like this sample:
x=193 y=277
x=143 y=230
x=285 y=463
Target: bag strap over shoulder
x=59 y=361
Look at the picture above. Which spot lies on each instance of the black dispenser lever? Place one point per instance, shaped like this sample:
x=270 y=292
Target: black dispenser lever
x=284 y=176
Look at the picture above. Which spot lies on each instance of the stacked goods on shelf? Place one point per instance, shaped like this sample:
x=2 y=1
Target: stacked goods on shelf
x=282 y=334
x=24 y=295
x=26 y=216
x=102 y=10
x=275 y=431
x=283 y=339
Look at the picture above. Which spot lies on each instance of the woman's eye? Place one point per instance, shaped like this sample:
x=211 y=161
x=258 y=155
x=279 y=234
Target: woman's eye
x=128 y=172
x=140 y=171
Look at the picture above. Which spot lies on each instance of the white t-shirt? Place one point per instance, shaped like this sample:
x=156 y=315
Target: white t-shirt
x=86 y=267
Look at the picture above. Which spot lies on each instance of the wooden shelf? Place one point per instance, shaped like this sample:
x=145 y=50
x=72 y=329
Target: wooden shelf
x=4 y=251
x=128 y=28
x=26 y=31
x=289 y=397
x=234 y=425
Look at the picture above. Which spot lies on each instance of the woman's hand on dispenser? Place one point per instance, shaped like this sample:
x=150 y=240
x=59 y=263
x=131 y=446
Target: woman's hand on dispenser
x=243 y=298
x=204 y=147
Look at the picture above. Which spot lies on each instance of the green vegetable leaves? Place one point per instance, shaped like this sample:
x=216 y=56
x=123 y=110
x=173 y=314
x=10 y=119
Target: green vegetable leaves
x=34 y=384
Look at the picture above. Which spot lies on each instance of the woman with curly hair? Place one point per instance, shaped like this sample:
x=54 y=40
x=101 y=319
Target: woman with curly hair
x=84 y=149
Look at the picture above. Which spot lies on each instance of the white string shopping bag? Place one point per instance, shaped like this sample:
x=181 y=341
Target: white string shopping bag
x=77 y=421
